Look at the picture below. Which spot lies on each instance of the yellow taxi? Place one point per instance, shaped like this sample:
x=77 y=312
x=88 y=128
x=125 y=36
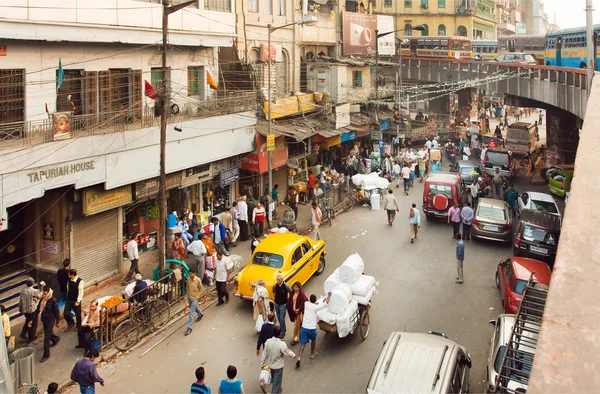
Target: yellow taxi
x=294 y=256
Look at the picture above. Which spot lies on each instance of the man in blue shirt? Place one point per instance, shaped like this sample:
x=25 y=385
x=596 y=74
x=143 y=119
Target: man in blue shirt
x=199 y=387
x=85 y=374
x=467 y=215
x=460 y=257
x=414 y=219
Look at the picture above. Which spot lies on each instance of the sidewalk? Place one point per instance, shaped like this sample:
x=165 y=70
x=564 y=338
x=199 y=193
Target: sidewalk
x=64 y=355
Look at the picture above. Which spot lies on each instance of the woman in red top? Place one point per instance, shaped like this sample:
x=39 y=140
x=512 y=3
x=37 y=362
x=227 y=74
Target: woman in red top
x=295 y=308
x=311 y=186
x=178 y=248
x=259 y=216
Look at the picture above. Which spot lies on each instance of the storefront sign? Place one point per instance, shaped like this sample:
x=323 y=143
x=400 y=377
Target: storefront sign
x=150 y=187
x=258 y=161
x=333 y=141
x=290 y=106
x=50 y=247
x=270 y=142
x=222 y=165
x=362 y=130
x=46 y=173
x=385 y=124
x=96 y=199
x=276 y=52
x=230 y=176
x=349 y=136
x=386 y=45
x=376 y=135
x=342 y=116
x=195 y=175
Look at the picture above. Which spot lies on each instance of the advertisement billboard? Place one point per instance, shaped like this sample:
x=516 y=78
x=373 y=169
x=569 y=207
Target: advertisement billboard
x=521 y=29
x=386 y=45
x=358 y=33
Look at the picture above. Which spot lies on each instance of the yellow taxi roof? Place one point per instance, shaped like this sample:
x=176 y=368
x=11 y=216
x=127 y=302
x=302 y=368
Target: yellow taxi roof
x=283 y=244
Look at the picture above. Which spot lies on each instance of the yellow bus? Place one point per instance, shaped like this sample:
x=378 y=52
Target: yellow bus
x=436 y=47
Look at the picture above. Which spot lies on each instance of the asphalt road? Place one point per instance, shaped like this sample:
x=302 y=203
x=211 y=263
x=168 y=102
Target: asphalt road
x=417 y=293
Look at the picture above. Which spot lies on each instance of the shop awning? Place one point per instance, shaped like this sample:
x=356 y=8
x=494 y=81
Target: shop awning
x=328 y=133
x=296 y=132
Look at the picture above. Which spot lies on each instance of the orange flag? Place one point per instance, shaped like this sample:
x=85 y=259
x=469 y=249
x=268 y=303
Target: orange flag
x=211 y=81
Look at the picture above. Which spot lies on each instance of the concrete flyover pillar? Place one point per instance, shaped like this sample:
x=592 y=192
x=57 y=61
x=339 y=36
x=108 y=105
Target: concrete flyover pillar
x=440 y=105
x=562 y=134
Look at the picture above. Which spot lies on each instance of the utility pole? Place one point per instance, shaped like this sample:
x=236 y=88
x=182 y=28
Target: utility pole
x=163 y=98
x=591 y=53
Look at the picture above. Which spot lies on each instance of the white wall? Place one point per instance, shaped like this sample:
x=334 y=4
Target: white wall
x=122 y=158
x=41 y=62
x=124 y=21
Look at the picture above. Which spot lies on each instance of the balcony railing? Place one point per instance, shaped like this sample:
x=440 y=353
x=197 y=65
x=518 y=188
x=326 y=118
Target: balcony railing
x=36 y=132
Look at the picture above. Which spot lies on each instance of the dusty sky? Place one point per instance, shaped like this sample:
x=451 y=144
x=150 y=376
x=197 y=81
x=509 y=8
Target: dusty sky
x=570 y=13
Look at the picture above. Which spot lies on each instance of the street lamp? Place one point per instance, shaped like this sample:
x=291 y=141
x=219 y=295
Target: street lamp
x=311 y=19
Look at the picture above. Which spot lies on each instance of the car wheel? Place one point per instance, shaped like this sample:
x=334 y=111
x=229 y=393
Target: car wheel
x=497 y=280
x=321 y=267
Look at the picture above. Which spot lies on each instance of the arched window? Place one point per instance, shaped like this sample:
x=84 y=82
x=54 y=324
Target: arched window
x=461 y=31
x=309 y=56
x=425 y=31
x=408 y=29
x=441 y=30
x=282 y=75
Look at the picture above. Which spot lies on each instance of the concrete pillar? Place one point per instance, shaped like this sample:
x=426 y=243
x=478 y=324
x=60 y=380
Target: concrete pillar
x=562 y=133
x=440 y=106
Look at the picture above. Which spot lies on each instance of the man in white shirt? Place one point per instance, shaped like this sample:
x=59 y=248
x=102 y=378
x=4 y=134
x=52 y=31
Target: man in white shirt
x=242 y=208
x=308 y=332
x=316 y=220
x=235 y=232
x=221 y=278
x=198 y=250
x=483 y=152
x=435 y=144
x=466 y=152
x=133 y=255
x=406 y=177
x=272 y=357
x=428 y=144
x=390 y=205
x=396 y=173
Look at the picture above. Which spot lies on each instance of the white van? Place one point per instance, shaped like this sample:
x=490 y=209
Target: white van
x=420 y=363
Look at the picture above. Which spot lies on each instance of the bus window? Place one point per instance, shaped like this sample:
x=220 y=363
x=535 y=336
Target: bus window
x=466 y=46
x=428 y=44
x=436 y=44
x=444 y=44
x=420 y=44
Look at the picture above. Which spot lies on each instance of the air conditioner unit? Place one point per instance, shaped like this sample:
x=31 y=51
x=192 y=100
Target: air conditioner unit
x=424 y=6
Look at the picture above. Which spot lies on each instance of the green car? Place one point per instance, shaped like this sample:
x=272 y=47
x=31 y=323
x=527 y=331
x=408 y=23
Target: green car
x=560 y=183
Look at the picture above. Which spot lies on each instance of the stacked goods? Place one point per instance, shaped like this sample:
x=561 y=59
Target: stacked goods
x=327 y=316
x=340 y=298
x=333 y=280
x=352 y=269
x=370 y=182
x=346 y=318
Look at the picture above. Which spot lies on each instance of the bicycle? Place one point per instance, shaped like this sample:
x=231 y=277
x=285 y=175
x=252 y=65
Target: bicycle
x=154 y=313
x=327 y=209
x=33 y=388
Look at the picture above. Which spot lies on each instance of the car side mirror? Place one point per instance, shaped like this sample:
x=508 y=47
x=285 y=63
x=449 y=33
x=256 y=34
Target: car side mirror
x=492 y=323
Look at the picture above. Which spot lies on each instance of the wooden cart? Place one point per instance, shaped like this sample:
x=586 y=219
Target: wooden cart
x=360 y=321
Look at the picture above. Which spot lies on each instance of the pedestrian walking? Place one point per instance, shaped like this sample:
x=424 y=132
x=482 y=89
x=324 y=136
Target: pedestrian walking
x=406 y=177
x=281 y=292
x=85 y=334
x=235 y=215
x=221 y=278
x=133 y=255
x=266 y=332
x=198 y=387
x=316 y=220
x=460 y=258
x=295 y=308
x=422 y=167
x=198 y=250
x=49 y=314
x=27 y=305
x=195 y=290
x=390 y=205
x=466 y=214
x=219 y=234
x=474 y=191
x=454 y=218
x=466 y=152
x=414 y=221
x=511 y=198
x=84 y=373
x=293 y=199
x=231 y=385
x=62 y=277
x=272 y=357
x=259 y=216
x=323 y=181
x=74 y=297
x=308 y=332
x=52 y=388
x=261 y=306
x=498 y=183
x=275 y=198
x=396 y=173
x=242 y=208
x=311 y=186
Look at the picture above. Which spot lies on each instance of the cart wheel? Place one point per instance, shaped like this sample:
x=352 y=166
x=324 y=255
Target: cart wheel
x=365 y=321
x=126 y=335
x=347 y=204
x=160 y=313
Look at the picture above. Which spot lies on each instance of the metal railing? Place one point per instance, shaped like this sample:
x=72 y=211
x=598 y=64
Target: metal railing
x=167 y=288
x=36 y=132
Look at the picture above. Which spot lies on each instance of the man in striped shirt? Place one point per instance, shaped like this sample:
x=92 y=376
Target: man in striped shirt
x=27 y=306
x=199 y=387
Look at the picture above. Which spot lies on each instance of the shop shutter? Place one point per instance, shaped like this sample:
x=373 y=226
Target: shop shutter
x=95 y=254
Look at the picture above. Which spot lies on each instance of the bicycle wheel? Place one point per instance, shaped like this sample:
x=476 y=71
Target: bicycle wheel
x=347 y=204
x=126 y=335
x=160 y=312
x=332 y=212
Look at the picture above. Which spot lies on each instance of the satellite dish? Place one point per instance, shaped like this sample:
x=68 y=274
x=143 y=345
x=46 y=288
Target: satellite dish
x=293 y=163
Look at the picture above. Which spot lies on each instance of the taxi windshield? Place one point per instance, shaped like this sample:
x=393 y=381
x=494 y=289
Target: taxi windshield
x=268 y=259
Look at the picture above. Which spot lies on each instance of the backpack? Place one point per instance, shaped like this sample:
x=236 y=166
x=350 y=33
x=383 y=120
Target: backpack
x=412 y=213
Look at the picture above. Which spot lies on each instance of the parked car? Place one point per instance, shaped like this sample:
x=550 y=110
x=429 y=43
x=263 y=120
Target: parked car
x=503 y=326
x=512 y=276
x=548 y=172
x=420 y=363
x=469 y=170
x=440 y=192
x=537 y=202
x=536 y=235
x=498 y=158
x=516 y=57
x=560 y=183
x=295 y=256
x=492 y=220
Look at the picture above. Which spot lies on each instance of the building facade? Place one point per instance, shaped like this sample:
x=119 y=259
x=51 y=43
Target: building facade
x=79 y=131
x=469 y=18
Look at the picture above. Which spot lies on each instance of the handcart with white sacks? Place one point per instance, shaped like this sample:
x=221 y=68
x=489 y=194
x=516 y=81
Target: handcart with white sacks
x=349 y=301
x=366 y=190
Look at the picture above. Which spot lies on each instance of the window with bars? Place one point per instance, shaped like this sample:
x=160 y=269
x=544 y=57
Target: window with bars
x=12 y=95
x=357 y=79
x=217 y=5
x=196 y=81
x=156 y=76
x=253 y=5
x=441 y=3
x=387 y=3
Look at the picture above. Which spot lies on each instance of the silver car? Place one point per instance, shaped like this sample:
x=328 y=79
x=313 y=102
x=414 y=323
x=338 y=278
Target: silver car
x=517 y=57
x=492 y=220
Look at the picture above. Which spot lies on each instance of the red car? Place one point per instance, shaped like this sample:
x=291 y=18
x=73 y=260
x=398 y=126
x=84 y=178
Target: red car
x=512 y=277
